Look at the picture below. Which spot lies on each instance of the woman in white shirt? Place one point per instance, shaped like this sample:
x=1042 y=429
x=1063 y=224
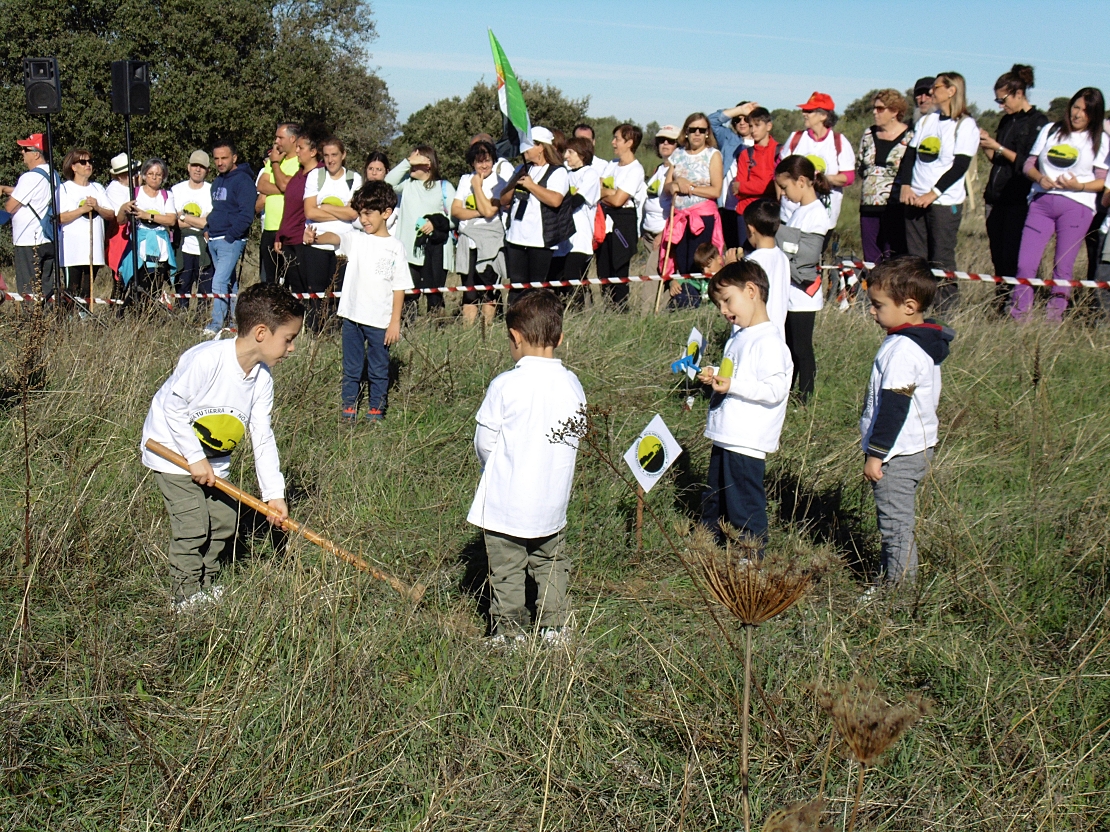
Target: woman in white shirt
x=533 y=198
x=1067 y=165
x=932 y=175
x=572 y=257
x=83 y=206
x=154 y=209
x=327 y=208
x=621 y=184
x=658 y=205
x=479 y=255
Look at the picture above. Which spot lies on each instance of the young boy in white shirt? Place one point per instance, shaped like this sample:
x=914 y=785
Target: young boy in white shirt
x=218 y=392
x=522 y=497
x=373 y=295
x=899 y=423
x=748 y=407
x=762 y=219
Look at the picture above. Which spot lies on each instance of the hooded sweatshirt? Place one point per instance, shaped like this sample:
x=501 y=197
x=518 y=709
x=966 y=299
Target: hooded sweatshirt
x=233 y=195
x=900 y=412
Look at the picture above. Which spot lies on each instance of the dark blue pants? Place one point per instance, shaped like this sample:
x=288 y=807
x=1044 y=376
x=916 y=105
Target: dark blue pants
x=735 y=494
x=364 y=354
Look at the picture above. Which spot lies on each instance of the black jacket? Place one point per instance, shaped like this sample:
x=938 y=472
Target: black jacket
x=1007 y=185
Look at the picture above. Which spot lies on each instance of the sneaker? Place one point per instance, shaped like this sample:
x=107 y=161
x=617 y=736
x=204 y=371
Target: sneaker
x=205 y=596
x=555 y=636
x=374 y=415
x=210 y=333
x=348 y=416
x=870 y=595
x=509 y=644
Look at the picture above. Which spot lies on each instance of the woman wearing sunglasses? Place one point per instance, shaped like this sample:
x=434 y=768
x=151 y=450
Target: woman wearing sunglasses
x=657 y=207
x=83 y=206
x=694 y=184
x=881 y=148
x=1007 y=193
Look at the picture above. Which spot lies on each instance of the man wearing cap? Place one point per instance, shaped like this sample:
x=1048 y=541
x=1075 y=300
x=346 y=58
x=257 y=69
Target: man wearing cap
x=229 y=223
x=29 y=204
x=281 y=165
x=923 y=98
x=193 y=199
x=829 y=151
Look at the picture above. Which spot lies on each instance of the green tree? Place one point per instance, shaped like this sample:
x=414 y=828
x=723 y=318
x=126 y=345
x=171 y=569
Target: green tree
x=219 y=68
x=1058 y=108
x=448 y=124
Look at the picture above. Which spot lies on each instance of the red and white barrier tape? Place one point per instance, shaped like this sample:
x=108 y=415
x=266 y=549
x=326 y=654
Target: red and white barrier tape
x=987 y=278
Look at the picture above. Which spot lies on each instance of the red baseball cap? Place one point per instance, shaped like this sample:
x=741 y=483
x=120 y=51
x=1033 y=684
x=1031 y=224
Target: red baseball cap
x=818 y=101
x=34 y=140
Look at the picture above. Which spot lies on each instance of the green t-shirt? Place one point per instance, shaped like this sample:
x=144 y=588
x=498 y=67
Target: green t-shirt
x=275 y=204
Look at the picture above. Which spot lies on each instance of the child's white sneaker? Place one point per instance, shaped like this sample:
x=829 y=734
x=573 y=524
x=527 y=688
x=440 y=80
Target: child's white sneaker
x=205 y=596
x=556 y=636
x=509 y=644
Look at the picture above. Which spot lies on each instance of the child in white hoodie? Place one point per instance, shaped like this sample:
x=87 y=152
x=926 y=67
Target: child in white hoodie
x=748 y=407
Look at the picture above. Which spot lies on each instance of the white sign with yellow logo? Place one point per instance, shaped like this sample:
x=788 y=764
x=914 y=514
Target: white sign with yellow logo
x=653 y=452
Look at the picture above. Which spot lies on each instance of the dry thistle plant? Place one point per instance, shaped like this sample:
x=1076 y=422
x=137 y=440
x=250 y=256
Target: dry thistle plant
x=867 y=722
x=797 y=817
x=754 y=589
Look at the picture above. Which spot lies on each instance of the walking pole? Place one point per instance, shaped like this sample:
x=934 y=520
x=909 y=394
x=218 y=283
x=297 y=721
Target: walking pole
x=414 y=593
x=666 y=258
x=91 y=230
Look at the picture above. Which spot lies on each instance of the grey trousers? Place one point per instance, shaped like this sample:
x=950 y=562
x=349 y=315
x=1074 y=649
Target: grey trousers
x=511 y=560
x=894 y=508
x=34 y=265
x=202 y=521
x=932 y=233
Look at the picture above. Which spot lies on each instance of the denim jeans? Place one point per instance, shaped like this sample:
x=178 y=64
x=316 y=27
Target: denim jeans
x=225 y=257
x=364 y=352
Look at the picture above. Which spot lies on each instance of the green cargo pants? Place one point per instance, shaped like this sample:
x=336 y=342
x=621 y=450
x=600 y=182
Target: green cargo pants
x=511 y=559
x=203 y=521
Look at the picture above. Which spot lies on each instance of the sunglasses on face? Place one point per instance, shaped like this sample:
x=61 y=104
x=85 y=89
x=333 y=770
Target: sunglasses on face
x=82 y=161
x=665 y=140
x=29 y=149
x=879 y=108
x=697 y=129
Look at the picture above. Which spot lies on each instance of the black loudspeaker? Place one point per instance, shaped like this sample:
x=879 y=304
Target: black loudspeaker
x=131 y=88
x=43 y=86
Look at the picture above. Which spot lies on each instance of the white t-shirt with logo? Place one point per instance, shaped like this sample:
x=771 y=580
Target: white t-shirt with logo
x=938 y=141
x=376 y=268
x=657 y=205
x=161 y=203
x=776 y=264
x=527 y=230
x=335 y=190
x=1069 y=155
x=492 y=186
x=32 y=191
x=813 y=219
x=586 y=183
x=196 y=202
x=599 y=164
x=825 y=158
x=75 y=235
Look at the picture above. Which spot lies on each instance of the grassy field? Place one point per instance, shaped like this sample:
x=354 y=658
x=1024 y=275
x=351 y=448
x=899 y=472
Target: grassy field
x=313 y=697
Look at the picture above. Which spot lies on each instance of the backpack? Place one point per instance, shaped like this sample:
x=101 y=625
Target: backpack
x=321 y=176
x=46 y=221
x=796 y=139
x=558 y=223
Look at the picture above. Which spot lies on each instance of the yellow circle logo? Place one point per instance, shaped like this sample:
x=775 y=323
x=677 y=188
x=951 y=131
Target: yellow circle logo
x=219 y=433
x=192 y=209
x=725 y=370
x=1063 y=155
x=929 y=149
x=607 y=182
x=820 y=164
x=333 y=200
x=651 y=454
x=470 y=203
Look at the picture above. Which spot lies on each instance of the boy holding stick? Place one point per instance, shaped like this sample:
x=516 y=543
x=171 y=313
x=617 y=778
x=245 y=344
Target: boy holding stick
x=218 y=391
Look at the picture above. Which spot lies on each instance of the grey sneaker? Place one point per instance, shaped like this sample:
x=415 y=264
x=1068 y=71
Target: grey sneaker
x=206 y=596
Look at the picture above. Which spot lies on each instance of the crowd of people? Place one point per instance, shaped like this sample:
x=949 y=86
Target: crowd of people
x=564 y=207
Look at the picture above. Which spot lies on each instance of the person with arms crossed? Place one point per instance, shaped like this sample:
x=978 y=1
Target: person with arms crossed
x=193 y=200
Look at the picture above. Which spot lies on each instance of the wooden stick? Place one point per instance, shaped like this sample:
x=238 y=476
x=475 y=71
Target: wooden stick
x=415 y=593
x=669 y=228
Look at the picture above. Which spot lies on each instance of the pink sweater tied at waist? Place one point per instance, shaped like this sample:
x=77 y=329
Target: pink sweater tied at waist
x=693 y=218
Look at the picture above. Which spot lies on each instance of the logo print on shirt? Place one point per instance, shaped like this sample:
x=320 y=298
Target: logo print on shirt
x=219 y=433
x=929 y=150
x=1063 y=155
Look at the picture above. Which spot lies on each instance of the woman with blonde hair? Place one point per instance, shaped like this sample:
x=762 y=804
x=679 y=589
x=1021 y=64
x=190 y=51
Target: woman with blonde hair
x=932 y=175
x=881 y=148
x=694 y=184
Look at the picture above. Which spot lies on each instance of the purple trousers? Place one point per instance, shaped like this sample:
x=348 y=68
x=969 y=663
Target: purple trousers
x=1050 y=214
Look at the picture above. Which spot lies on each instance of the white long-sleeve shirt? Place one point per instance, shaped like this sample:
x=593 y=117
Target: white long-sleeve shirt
x=748 y=419
x=526 y=478
x=205 y=409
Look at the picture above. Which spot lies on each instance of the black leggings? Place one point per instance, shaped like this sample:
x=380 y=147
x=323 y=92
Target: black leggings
x=430 y=275
x=570 y=267
x=316 y=273
x=799 y=338
x=526 y=264
x=614 y=255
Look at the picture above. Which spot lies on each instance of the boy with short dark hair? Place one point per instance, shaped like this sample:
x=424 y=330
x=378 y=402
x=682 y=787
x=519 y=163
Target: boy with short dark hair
x=218 y=392
x=748 y=407
x=762 y=220
x=373 y=295
x=899 y=422
x=522 y=497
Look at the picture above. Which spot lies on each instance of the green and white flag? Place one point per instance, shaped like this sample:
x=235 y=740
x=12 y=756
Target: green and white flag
x=510 y=98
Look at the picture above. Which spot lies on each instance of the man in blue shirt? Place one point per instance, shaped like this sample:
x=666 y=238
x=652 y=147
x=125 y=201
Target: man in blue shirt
x=233 y=197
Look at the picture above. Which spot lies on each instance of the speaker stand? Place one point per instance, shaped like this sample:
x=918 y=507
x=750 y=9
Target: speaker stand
x=55 y=222
x=131 y=221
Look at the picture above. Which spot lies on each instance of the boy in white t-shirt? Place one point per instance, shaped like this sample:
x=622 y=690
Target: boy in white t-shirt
x=762 y=220
x=748 y=408
x=219 y=391
x=899 y=422
x=522 y=497
x=373 y=295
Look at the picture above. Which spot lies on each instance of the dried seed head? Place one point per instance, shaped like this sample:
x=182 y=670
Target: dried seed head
x=754 y=589
x=867 y=722
x=797 y=817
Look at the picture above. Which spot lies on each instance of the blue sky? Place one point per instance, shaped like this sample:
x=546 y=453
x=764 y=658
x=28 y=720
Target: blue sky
x=659 y=61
